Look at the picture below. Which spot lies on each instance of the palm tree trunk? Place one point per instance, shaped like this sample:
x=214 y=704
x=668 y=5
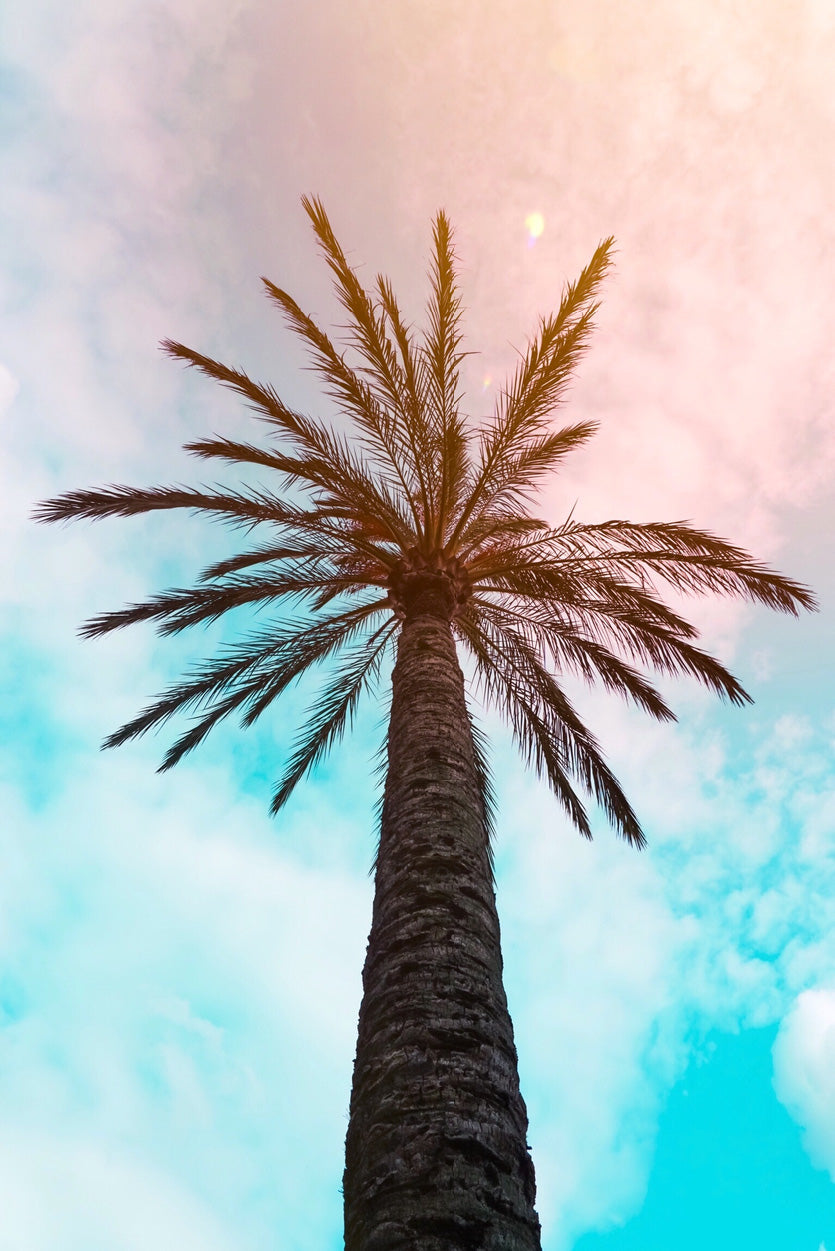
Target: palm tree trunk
x=436 y=1152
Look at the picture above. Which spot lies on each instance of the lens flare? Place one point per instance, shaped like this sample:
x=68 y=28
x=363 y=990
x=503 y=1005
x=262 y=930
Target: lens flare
x=534 y=224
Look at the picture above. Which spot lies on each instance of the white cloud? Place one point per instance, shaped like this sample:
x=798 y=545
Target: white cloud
x=616 y=962
x=178 y=1002
x=62 y=1192
x=591 y=949
x=9 y=387
x=804 y=1072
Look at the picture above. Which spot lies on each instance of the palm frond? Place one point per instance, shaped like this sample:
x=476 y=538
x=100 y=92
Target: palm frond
x=246 y=508
x=391 y=377
x=650 y=643
x=259 y=689
x=330 y=461
x=365 y=560
x=687 y=558
x=524 y=408
x=378 y=427
x=517 y=477
x=247 y=665
x=547 y=727
x=301 y=547
x=718 y=575
x=536 y=745
x=484 y=775
x=441 y=357
x=261 y=397
x=257 y=693
x=419 y=427
x=194 y=737
x=333 y=711
x=489 y=536
x=572 y=651
x=180 y=608
x=611 y=613
x=304 y=471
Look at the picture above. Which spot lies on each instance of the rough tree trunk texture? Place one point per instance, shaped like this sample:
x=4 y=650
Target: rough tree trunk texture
x=436 y=1151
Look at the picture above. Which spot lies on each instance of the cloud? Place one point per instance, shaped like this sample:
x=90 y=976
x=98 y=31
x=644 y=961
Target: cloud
x=804 y=1072
x=590 y=987
x=710 y=370
x=60 y=1191
x=616 y=963
x=178 y=1003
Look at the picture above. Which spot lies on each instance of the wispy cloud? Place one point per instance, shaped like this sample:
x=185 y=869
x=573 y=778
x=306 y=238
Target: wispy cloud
x=62 y=1189
x=619 y=962
x=177 y=1016
x=804 y=1071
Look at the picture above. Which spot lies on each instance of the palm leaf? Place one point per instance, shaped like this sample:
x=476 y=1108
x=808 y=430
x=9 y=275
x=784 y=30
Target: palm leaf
x=535 y=743
x=379 y=429
x=610 y=613
x=247 y=508
x=262 y=398
x=484 y=775
x=344 y=472
x=180 y=608
x=516 y=479
x=334 y=709
x=271 y=653
x=299 y=548
x=391 y=377
x=524 y=408
x=254 y=695
x=688 y=558
x=572 y=651
x=547 y=727
x=414 y=383
x=441 y=357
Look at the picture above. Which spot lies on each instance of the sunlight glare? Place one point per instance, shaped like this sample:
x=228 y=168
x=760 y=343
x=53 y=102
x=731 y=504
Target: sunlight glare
x=535 y=224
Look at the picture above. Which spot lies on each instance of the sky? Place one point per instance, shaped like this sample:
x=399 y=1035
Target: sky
x=180 y=973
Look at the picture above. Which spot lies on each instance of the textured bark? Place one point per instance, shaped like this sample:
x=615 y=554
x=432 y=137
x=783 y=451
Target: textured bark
x=436 y=1152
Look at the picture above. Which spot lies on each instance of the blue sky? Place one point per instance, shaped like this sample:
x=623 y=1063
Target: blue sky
x=180 y=974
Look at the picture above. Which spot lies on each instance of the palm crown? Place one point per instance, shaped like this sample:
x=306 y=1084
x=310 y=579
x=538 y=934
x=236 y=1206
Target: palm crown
x=358 y=527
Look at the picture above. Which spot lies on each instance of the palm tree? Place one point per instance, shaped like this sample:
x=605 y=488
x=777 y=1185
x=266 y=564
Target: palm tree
x=414 y=535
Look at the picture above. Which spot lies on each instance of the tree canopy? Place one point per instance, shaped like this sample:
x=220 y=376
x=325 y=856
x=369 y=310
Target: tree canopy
x=404 y=486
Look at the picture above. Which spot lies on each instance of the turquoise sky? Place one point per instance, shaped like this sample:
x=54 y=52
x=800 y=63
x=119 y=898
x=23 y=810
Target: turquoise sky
x=180 y=974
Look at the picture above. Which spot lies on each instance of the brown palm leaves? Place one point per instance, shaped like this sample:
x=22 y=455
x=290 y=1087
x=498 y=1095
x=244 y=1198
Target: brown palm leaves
x=408 y=483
